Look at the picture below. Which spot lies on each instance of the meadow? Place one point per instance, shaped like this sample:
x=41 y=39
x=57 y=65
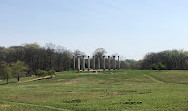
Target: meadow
x=123 y=90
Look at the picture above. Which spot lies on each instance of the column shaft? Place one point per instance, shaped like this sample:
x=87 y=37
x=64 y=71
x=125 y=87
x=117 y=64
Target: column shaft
x=88 y=63
x=93 y=62
x=104 y=63
x=83 y=64
x=114 y=63
x=99 y=63
x=118 y=63
x=78 y=63
x=108 y=62
x=74 y=63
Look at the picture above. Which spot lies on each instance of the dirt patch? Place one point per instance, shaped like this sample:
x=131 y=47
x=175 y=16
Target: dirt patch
x=19 y=98
x=32 y=85
x=4 y=105
x=61 y=80
x=71 y=82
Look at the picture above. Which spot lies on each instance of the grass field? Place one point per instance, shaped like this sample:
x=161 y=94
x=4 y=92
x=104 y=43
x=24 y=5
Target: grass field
x=124 y=90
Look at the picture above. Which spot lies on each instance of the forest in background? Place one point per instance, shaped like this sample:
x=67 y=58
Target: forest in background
x=59 y=58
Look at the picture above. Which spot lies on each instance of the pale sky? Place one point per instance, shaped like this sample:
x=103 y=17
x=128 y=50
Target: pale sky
x=131 y=28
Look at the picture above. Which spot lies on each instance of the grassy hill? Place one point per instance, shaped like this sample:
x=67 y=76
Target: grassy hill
x=124 y=90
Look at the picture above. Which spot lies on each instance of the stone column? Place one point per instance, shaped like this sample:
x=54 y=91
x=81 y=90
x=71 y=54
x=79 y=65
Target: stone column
x=74 y=62
x=118 y=63
x=104 y=63
x=99 y=63
x=114 y=63
x=108 y=62
x=93 y=62
x=88 y=63
x=83 y=64
x=78 y=63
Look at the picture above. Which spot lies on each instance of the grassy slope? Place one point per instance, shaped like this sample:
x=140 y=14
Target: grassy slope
x=117 y=90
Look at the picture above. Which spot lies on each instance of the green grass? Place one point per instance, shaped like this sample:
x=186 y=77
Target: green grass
x=124 y=90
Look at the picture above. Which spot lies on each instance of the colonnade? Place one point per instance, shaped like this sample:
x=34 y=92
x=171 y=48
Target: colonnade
x=110 y=60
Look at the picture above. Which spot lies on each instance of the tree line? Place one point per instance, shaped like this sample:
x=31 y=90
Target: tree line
x=50 y=57
x=169 y=60
x=58 y=58
x=37 y=57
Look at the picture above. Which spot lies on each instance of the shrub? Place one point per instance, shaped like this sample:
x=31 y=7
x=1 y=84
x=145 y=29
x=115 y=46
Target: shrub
x=41 y=72
x=153 y=67
x=51 y=72
x=161 y=66
x=158 y=66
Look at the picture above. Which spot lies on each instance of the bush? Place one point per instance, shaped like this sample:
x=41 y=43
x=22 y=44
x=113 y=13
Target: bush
x=51 y=72
x=158 y=66
x=161 y=66
x=153 y=67
x=45 y=73
x=41 y=72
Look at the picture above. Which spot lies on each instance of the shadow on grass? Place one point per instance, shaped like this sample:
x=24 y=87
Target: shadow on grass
x=8 y=83
x=3 y=84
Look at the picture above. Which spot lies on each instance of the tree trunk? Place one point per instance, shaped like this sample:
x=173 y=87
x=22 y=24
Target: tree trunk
x=18 y=77
x=7 y=78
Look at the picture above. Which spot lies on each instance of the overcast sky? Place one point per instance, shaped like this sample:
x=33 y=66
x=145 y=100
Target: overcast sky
x=131 y=28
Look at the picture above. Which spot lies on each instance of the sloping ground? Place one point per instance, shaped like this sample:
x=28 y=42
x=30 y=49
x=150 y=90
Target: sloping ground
x=153 y=79
x=130 y=90
x=172 y=76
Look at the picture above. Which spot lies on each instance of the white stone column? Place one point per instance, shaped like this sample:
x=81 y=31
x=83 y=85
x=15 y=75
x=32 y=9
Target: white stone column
x=74 y=63
x=109 y=63
x=99 y=63
x=78 y=63
x=118 y=63
x=88 y=63
x=93 y=62
x=83 y=64
x=104 y=63
x=114 y=63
